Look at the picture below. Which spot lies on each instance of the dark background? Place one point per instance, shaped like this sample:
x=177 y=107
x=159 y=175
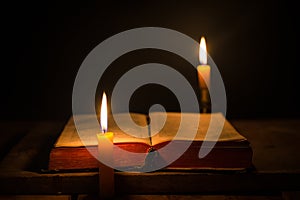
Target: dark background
x=253 y=43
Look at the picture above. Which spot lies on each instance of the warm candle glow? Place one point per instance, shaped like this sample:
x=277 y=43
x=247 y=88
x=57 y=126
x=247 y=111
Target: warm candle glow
x=202 y=52
x=103 y=113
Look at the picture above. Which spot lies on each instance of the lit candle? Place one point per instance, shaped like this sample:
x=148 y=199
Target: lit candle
x=204 y=76
x=105 y=148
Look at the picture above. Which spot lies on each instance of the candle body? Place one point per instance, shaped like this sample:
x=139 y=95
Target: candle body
x=204 y=74
x=105 y=145
x=106 y=178
x=204 y=85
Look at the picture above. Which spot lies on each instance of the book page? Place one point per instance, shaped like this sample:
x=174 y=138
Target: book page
x=70 y=138
x=128 y=134
x=173 y=121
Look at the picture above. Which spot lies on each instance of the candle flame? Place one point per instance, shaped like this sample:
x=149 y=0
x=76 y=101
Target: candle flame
x=103 y=113
x=202 y=52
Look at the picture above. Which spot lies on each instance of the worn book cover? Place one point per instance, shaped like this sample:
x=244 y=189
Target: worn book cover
x=231 y=151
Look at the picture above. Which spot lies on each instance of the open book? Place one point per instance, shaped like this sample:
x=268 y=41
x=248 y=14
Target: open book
x=231 y=151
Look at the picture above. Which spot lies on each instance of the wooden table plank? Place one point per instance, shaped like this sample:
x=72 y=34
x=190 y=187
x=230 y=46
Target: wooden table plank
x=148 y=183
x=32 y=152
x=275 y=143
x=11 y=133
x=35 y=183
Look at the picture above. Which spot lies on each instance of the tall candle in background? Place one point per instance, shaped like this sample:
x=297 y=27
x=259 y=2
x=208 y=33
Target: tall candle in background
x=204 y=77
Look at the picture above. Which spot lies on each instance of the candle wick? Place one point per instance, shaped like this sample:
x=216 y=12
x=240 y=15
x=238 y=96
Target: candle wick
x=103 y=130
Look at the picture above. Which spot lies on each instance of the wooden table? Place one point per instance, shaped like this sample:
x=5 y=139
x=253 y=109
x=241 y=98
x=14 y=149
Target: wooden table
x=275 y=142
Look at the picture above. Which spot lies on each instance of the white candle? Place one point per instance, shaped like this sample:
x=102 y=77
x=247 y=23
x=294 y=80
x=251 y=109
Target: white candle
x=203 y=69
x=105 y=149
x=106 y=173
x=204 y=77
